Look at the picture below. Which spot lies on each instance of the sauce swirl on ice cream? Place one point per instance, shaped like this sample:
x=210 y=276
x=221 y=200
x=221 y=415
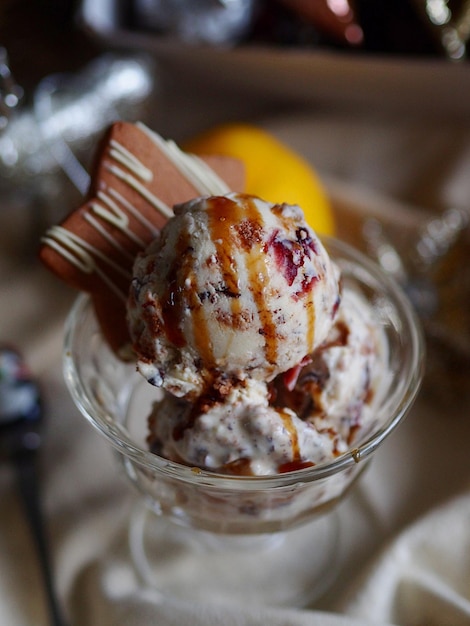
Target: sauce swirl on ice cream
x=233 y=287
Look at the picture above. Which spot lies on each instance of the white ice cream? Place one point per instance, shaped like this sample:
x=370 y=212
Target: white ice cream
x=345 y=377
x=240 y=435
x=234 y=287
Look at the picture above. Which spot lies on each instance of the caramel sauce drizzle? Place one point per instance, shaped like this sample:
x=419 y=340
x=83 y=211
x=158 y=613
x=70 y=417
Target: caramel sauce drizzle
x=226 y=238
x=223 y=237
x=258 y=280
x=294 y=437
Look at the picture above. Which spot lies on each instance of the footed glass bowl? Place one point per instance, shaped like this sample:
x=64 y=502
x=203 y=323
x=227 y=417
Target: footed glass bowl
x=243 y=511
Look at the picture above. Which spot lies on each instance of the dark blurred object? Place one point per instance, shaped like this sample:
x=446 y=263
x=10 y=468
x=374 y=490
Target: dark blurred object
x=449 y=22
x=217 y=22
x=49 y=29
x=401 y=27
x=433 y=266
x=426 y=27
x=405 y=27
x=11 y=93
x=42 y=38
x=395 y=26
x=70 y=110
x=222 y=22
x=20 y=404
x=336 y=18
x=46 y=146
x=21 y=436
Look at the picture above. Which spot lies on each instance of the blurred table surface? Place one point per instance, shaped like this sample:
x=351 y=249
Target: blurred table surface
x=377 y=159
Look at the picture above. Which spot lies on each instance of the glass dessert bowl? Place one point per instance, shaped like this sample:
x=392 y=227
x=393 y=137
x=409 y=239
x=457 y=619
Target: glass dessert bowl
x=237 y=517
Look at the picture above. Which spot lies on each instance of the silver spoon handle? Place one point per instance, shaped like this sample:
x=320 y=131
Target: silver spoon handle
x=29 y=491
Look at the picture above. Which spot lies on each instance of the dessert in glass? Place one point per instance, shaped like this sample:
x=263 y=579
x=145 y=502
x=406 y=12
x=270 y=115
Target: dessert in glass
x=117 y=401
x=271 y=365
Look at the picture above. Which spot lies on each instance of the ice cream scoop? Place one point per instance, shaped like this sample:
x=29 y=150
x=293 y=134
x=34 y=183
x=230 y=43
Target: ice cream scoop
x=240 y=434
x=233 y=288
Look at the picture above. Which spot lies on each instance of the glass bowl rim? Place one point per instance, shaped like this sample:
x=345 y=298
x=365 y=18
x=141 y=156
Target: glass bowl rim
x=397 y=404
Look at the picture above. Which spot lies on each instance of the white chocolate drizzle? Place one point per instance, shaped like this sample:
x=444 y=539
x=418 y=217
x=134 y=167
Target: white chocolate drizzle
x=129 y=160
x=110 y=206
x=115 y=216
x=109 y=238
x=132 y=181
x=80 y=254
x=133 y=211
x=197 y=172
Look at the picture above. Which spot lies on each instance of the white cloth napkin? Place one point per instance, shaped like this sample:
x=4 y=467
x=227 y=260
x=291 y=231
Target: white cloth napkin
x=423 y=577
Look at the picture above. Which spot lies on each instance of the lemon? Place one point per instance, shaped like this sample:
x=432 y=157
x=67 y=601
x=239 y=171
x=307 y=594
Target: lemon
x=274 y=172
